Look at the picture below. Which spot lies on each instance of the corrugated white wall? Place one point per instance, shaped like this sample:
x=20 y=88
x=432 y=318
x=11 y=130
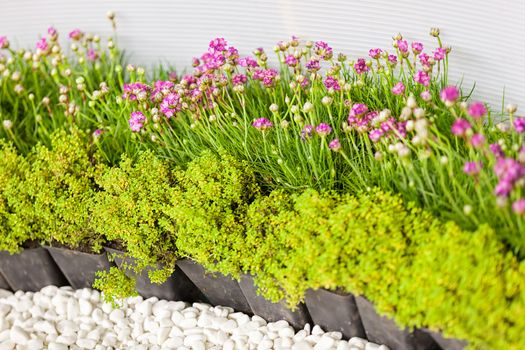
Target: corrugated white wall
x=487 y=36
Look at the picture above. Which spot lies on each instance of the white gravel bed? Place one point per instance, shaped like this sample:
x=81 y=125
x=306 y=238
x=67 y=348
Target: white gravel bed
x=63 y=318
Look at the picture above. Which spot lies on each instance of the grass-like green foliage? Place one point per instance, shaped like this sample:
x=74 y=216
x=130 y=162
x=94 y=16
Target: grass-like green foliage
x=131 y=208
x=213 y=196
x=116 y=285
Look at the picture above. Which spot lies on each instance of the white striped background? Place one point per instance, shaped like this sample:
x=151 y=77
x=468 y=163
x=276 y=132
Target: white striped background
x=487 y=36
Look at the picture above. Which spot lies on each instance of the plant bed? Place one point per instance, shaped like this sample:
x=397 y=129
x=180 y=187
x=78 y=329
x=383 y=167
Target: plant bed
x=177 y=287
x=79 y=268
x=447 y=343
x=335 y=312
x=30 y=270
x=3 y=283
x=382 y=330
x=272 y=311
x=216 y=287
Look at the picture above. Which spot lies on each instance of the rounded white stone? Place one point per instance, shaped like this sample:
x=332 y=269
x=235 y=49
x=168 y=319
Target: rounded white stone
x=85 y=306
x=19 y=336
x=57 y=346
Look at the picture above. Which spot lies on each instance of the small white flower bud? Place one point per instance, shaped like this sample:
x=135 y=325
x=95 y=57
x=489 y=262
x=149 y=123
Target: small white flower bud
x=419 y=113
x=443 y=160
x=274 y=108
x=326 y=100
x=8 y=124
x=411 y=102
x=511 y=108
x=467 y=209
x=308 y=107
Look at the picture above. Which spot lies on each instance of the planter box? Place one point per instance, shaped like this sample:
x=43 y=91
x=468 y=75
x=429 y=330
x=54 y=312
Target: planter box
x=3 y=283
x=273 y=311
x=176 y=287
x=447 y=343
x=335 y=312
x=216 y=287
x=382 y=330
x=78 y=267
x=30 y=270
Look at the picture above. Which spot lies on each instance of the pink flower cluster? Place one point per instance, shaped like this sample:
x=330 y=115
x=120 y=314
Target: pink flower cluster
x=136 y=122
x=262 y=124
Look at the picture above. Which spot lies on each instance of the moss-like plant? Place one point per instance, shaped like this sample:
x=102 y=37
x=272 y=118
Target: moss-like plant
x=213 y=195
x=13 y=231
x=115 y=285
x=131 y=209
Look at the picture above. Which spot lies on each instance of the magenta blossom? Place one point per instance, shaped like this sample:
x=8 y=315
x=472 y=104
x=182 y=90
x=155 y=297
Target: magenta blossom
x=42 y=44
x=358 y=109
x=402 y=45
x=134 y=91
x=424 y=59
x=375 y=135
x=239 y=79
x=360 y=66
x=266 y=76
x=496 y=150
x=421 y=77
x=291 y=61
x=417 y=47
x=307 y=131
x=472 y=168
x=392 y=59
x=323 y=50
x=426 y=95
x=398 y=89
x=460 y=127
x=92 y=55
x=53 y=33
x=248 y=62
x=313 y=65
x=218 y=45
x=136 y=121
x=332 y=83
x=519 y=125
x=97 y=133
x=439 y=53
x=477 y=110
x=76 y=34
x=262 y=124
x=323 y=129
x=519 y=206
x=161 y=89
x=171 y=104
x=449 y=95
x=477 y=140
x=335 y=145
x=375 y=53
x=4 y=43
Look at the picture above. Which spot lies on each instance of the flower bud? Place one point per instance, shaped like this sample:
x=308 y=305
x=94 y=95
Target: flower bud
x=110 y=15
x=443 y=160
x=308 y=107
x=8 y=124
x=411 y=102
x=511 y=108
x=419 y=113
x=326 y=100
x=284 y=123
x=274 y=108
x=434 y=32
x=467 y=209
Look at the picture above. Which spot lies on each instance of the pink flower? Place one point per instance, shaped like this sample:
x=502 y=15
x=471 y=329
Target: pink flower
x=477 y=110
x=449 y=94
x=76 y=34
x=291 y=60
x=472 y=168
x=477 y=140
x=4 y=43
x=53 y=33
x=195 y=62
x=313 y=65
x=402 y=45
x=218 y=45
x=439 y=53
x=421 y=77
x=239 y=79
x=392 y=59
x=335 y=145
x=375 y=53
x=306 y=132
x=266 y=76
x=323 y=129
x=360 y=66
x=133 y=91
x=496 y=150
x=136 y=121
x=332 y=83
x=426 y=95
x=398 y=89
x=519 y=125
x=161 y=89
x=323 y=50
x=375 y=135
x=503 y=188
x=460 y=127
x=262 y=124
x=248 y=62
x=92 y=55
x=424 y=59
x=519 y=206
x=171 y=104
x=417 y=47
x=358 y=109
x=42 y=44
x=97 y=133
